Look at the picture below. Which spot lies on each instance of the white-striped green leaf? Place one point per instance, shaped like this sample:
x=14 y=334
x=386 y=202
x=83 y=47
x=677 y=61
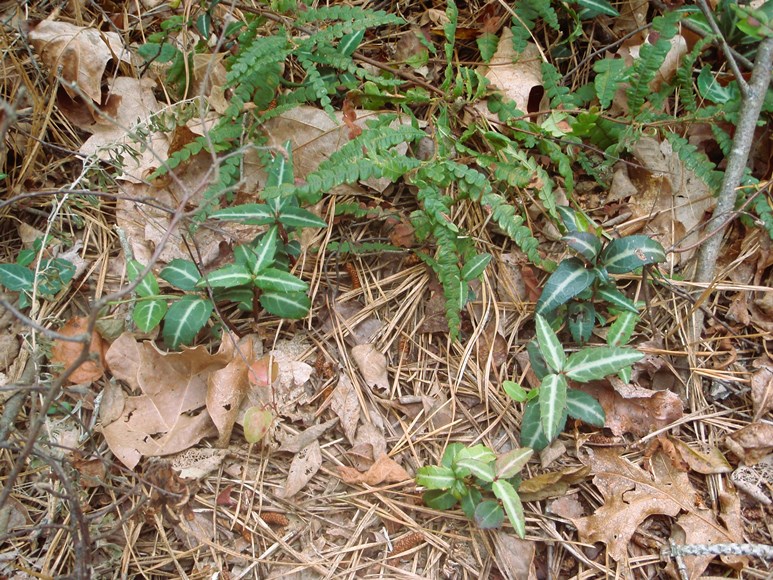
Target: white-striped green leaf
x=489 y=515
x=593 y=364
x=512 y=503
x=580 y=318
x=621 y=330
x=147 y=314
x=586 y=244
x=552 y=405
x=241 y=296
x=286 y=304
x=475 y=266
x=511 y=463
x=531 y=430
x=627 y=254
x=470 y=501
x=568 y=280
x=580 y=405
x=593 y=8
x=477 y=452
x=257 y=214
x=538 y=364
x=435 y=477
x=279 y=281
x=181 y=274
x=297 y=217
x=483 y=471
x=265 y=251
x=280 y=170
x=227 y=277
x=16 y=277
x=149 y=284
x=549 y=345
x=185 y=319
x=244 y=255
x=349 y=42
x=439 y=499
x=575 y=221
x=613 y=296
x=450 y=454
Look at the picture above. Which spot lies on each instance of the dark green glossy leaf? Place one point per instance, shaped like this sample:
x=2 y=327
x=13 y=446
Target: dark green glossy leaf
x=569 y=279
x=582 y=406
x=626 y=254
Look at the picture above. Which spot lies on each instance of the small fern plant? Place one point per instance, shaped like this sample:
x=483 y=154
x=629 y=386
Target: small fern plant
x=258 y=277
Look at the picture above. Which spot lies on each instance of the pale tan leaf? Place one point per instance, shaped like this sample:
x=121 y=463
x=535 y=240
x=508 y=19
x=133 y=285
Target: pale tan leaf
x=516 y=75
x=294 y=443
x=345 y=403
x=372 y=365
x=303 y=467
x=81 y=54
x=227 y=387
x=762 y=387
x=751 y=443
x=514 y=556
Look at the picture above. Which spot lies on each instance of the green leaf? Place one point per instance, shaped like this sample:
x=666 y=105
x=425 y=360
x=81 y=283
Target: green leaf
x=293 y=305
x=580 y=405
x=257 y=214
x=626 y=254
x=552 y=405
x=538 y=364
x=585 y=244
x=476 y=452
x=279 y=281
x=147 y=314
x=709 y=88
x=532 y=434
x=593 y=364
x=549 y=345
x=511 y=463
x=149 y=284
x=435 y=477
x=257 y=423
x=16 y=278
x=580 y=317
x=621 y=330
x=470 y=501
x=266 y=250
x=566 y=282
x=481 y=470
x=593 y=8
x=349 y=42
x=487 y=45
x=515 y=391
x=181 y=274
x=280 y=170
x=227 y=277
x=185 y=319
x=297 y=217
x=489 y=515
x=450 y=454
x=439 y=499
x=610 y=72
x=512 y=503
x=613 y=296
x=474 y=267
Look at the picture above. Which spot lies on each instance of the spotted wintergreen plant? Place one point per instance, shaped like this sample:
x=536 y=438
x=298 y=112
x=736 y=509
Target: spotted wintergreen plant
x=258 y=277
x=580 y=282
x=548 y=406
x=29 y=276
x=467 y=475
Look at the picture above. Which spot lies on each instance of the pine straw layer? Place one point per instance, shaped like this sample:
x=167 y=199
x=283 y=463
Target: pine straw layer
x=151 y=524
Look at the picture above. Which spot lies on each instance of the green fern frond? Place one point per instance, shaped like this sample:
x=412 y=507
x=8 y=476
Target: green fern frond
x=696 y=161
x=684 y=75
x=559 y=95
x=361 y=248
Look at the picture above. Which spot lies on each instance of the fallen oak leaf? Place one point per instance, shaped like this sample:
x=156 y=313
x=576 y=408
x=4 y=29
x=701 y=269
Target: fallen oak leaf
x=384 y=470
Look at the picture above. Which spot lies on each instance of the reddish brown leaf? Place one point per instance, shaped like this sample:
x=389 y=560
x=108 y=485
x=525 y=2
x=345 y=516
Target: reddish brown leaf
x=64 y=353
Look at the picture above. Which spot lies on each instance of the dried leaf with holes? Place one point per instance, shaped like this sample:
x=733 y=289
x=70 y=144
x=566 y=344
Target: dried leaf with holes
x=303 y=467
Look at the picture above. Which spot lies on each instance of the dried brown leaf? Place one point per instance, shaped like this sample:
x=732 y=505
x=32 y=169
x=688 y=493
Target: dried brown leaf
x=303 y=467
x=227 y=387
x=705 y=463
x=518 y=76
x=372 y=365
x=515 y=557
x=752 y=442
x=762 y=388
x=345 y=403
x=64 y=353
x=294 y=443
x=552 y=483
x=384 y=470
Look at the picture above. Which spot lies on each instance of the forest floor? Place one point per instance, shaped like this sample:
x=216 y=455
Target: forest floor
x=126 y=470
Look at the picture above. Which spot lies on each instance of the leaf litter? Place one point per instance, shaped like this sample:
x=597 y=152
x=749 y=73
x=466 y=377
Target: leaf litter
x=344 y=436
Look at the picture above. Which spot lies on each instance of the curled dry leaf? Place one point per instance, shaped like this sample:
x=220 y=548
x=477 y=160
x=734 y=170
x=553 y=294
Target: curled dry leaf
x=384 y=470
x=345 y=403
x=762 y=387
x=632 y=409
x=372 y=365
x=303 y=467
x=169 y=414
x=552 y=483
x=227 y=387
x=706 y=463
x=64 y=353
x=79 y=54
x=752 y=443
